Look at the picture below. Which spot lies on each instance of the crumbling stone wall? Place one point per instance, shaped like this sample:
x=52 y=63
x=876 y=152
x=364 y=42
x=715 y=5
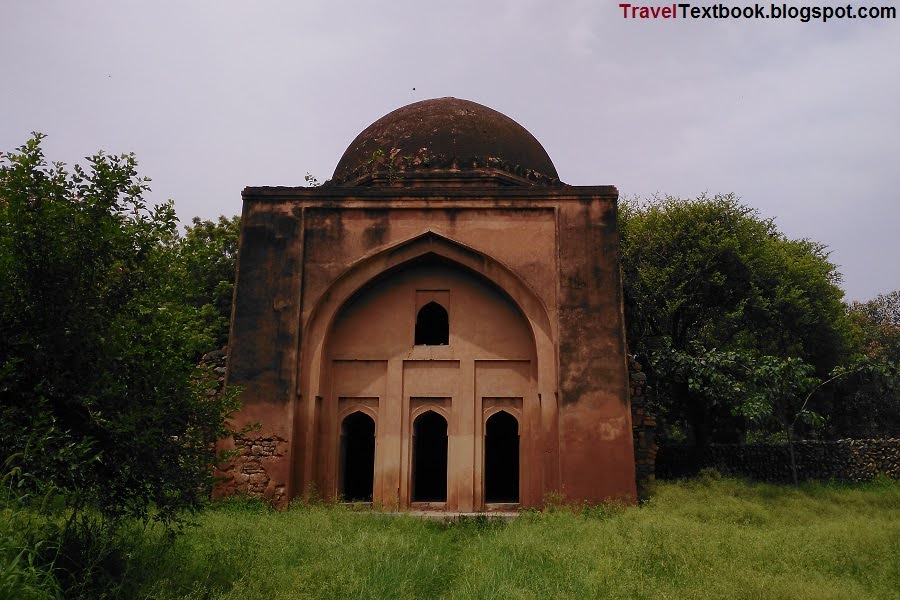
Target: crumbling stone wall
x=842 y=460
x=213 y=364
x=246 y=471
x=643 y=426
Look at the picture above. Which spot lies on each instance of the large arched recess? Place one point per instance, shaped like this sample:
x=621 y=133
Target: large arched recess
x=380 y=263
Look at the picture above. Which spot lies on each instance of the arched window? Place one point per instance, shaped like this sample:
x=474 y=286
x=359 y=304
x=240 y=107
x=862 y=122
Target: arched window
x=432 y=325
x=501 y=458
x=357 y=457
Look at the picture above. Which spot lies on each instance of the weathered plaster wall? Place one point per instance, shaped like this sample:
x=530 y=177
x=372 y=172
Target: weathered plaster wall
x=555 y=249
x=338 y=236
x=251 y=457
x=596 y=452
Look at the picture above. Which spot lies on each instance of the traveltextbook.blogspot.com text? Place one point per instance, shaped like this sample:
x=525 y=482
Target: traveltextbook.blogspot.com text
x=805 y=13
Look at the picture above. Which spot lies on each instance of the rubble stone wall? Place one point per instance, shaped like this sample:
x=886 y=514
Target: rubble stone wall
x=246 y=471
x=841 y=460
x=643 y=426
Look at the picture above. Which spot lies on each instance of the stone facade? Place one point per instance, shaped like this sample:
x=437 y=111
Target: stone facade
x=449 y=218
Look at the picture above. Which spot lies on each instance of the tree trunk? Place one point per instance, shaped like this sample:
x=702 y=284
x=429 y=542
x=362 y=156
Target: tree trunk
x=790 y=440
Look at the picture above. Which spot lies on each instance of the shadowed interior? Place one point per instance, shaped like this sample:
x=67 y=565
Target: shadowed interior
x=357 y=457
x=430 y=458
x=501 y=458
x=432 y=326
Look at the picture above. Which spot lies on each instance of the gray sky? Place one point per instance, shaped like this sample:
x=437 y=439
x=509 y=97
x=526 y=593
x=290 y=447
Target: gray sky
x=801 y=120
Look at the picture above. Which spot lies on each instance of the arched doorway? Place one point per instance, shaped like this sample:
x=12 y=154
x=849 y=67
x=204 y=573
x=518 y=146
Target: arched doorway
x=501 y=459
x=376 y=359
x=429 y=468
x=357 y=473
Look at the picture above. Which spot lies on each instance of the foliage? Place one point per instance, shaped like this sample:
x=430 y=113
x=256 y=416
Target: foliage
x=771 y=392
x=866 y=403
x=780 y=393
x=713 y=271
x=204 y=271
x=878 y=323
x=715 y=380
x=710 y=538
x=781 y=389
x=709 y=285
x=24 y=541
x=101 y=403
x=877 y=327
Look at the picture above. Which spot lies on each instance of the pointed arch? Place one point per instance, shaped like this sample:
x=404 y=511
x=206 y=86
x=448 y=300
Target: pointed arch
x=317 y=323
x=432 y=326
x=429 y=457
x=502 y=458
x=382 y=262
x=357 y=457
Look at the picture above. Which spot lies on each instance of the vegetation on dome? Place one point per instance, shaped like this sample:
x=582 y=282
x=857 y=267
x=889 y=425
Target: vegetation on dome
x=457 y=132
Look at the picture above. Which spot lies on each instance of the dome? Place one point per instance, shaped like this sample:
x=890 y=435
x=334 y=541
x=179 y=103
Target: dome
x=444 y=135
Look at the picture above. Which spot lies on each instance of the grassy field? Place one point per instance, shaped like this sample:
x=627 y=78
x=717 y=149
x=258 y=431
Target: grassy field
x=707 y=538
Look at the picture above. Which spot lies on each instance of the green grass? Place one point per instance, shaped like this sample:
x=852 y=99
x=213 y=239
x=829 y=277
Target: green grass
x=703 y=539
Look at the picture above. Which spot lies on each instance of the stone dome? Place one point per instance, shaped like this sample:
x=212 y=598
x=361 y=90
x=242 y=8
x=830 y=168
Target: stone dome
x=444 y=135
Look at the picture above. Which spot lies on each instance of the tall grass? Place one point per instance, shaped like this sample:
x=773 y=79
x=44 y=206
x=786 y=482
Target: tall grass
x=706 y=538
x=48 y=551
x=24 y=571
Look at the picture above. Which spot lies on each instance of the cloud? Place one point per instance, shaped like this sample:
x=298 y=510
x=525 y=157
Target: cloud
x=798 y=119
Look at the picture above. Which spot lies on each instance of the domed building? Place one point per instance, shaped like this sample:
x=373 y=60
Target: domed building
x=438 y=327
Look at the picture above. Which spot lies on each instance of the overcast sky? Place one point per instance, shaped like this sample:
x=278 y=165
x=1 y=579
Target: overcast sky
x=801 y=120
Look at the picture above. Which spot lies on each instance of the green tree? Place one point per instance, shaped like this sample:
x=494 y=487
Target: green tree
x=100 y=400
x=866 y=404
x=877 y=325
x=709 y=275
x=204 y=271
x=779 y=394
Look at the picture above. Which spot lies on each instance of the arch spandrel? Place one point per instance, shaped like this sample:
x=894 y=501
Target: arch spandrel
x=315 y=327
x=425 y=408
x=360 y=295
x=513 y=412
x=359 y=408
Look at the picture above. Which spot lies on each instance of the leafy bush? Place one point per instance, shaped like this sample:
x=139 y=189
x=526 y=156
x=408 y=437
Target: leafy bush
x=101 y=402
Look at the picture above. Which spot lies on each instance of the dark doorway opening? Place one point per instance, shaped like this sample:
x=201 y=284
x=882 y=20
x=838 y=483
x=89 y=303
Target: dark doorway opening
x=432 y=326
x=357 y=457
x=429 y=458
x=501 y=458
